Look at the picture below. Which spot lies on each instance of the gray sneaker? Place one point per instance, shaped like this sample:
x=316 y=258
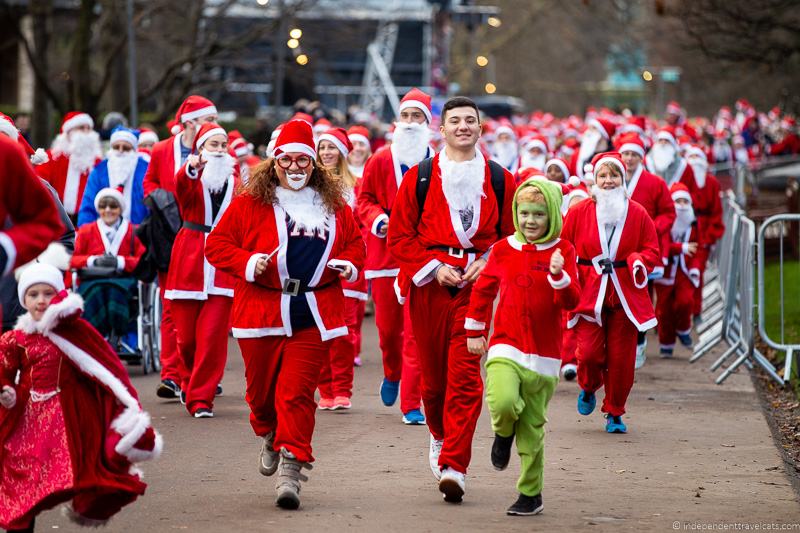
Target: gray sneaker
x=268 y=458
x=290 y=475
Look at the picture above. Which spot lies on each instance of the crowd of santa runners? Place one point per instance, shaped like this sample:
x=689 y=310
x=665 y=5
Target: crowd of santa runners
x=590 y=231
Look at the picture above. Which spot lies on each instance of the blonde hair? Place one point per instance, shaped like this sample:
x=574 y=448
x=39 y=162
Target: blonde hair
x=531 y=195
x=341 y=171
x=614 y=169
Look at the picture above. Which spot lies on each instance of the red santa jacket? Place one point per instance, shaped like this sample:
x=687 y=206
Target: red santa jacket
x=358 y=289
x=251 y=228
x=680 y=263
x=165 y=161
x=69 y=187
x=634 y=242
x=29 y=217
x=411 y=235
x=91 y=241
x=379 y=186
x=527 y=326
x=190 y=276
x=708 y=210
x=651 y=192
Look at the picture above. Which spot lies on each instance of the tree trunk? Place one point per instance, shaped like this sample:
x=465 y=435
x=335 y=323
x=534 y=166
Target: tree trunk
x=41 y=12
x=80 y=83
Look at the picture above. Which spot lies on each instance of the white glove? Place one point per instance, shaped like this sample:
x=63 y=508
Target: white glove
x=8 y=397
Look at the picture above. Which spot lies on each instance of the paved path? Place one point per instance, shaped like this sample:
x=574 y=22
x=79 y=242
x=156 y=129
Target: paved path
x=696 y=452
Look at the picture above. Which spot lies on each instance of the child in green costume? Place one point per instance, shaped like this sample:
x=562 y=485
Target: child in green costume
x=535 y=272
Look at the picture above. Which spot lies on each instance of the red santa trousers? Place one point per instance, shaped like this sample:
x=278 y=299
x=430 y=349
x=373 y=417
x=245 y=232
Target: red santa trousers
x=702 y=260
x=336 y=375
x=398 y=345
x=171 y=363
x=674 y=308
x=202 y=331
x=606 y=357
x=281 y=375
x=569 y=344
x=452 y=387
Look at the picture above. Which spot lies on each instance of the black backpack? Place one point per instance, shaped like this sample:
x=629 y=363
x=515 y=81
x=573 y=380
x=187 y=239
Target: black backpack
x=498 y=178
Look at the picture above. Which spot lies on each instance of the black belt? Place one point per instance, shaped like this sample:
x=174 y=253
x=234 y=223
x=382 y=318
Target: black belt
x=197 y=227
x=455 y=252
x=295 y=287
x=702 y=212
x=607 y=265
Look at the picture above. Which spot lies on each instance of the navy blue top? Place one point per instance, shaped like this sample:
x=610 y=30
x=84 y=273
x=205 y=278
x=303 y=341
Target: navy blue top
x=184 y=152
x=303 y=254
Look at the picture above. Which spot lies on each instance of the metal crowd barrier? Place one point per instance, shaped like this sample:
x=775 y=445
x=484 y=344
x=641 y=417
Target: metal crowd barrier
x=729 y=299
x=791 y=349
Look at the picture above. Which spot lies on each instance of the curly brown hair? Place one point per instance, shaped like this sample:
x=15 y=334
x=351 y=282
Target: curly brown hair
x=262 y=185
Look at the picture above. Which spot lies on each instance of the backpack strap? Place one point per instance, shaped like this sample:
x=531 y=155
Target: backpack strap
x=423 y=183
x=498 y=179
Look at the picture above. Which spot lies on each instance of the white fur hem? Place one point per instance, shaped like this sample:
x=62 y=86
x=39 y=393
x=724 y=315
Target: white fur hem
x=471 y=324
x=250 y=269
x=336 y=263
x=377 y=222
x=563 y=283
x=637 y=267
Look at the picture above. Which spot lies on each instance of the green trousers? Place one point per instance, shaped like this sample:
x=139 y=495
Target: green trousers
x=518 y=399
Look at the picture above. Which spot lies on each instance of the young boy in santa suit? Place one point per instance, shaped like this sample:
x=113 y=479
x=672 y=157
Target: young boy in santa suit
x=440 y=247
x=288 y=238
x=534 y=270
x=199 y=294
x=617 y=246
x=675 y=291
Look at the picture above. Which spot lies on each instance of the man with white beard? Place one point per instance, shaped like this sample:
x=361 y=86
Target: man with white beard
x=123 y=169
x=534 y=154
x=617 y=247
x=664 y=159
x=441 y=247
x=504 y=148
x=383 y=174
x=595 y=140
x=75 y=151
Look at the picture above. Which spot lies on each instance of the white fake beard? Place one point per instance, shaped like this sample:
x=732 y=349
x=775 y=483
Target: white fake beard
x=610 y=206
x=588 y=145
x=700 y=168
x=742 y=156
x=355 y=170
x=533 y=161
x=83 y=149
x=504 y=152
x=121 y=166
x=684 y=219
x=304 y=207
x=462 y=182
x=219 y=167
x=663 y=157
x=721 y=151
x=410 y=142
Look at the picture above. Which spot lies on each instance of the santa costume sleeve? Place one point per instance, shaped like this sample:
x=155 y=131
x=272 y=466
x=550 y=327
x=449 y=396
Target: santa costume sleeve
x=567 y=290
x=481 y=301
x=353 y=252
x=151 y=181
x=716 y=226
x=507 y=216
x=648 y=254
x=80 y=257
x=27 y=204
x=665 y=209
x=369 y=209
x=10 y=353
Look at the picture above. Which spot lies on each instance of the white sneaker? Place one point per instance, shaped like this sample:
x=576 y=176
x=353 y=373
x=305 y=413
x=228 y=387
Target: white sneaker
x=569 y=371
x=451 y=485
x=641 y=356
x=433 y=457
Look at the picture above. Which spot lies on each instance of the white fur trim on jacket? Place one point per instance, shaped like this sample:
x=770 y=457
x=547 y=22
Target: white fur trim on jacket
x=250 y=270
x=473 y=325
x=562 y=283
x=376 y=224
x=338 y=264
x=638 y=268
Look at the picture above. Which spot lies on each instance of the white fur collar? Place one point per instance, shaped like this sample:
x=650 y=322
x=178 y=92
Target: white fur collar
x=52 y=316
x=304 y=207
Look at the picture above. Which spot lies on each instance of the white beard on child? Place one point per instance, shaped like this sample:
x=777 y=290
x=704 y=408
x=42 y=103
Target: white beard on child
x=121 y=166
x=462 y=182
x=410 y=142
x=219 y=167
x=610 y=205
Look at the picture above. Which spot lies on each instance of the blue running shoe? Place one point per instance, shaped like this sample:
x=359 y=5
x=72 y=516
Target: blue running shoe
x=389 y=391
x=666 y=352
x=614 y=424
x=586 y=402
x=414 y=418
x=686 y=339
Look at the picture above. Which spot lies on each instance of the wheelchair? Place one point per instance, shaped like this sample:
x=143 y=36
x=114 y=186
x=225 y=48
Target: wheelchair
x=144 y=311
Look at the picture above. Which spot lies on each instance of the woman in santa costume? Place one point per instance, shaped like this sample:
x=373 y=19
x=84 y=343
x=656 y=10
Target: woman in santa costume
x=675 y=291
x=361 y=152
x=122 y=169
x=617 y=246
x=383 y=175
x=167 y=158
x=199 y=295
x=72 y=428
x=336 y=377
x=440 y=248
x=75 y=152
x=109 y=243
x=707 y=205
x=288 y=239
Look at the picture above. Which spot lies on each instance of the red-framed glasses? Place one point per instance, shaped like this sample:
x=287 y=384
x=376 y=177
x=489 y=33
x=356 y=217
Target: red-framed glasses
x=285 y=161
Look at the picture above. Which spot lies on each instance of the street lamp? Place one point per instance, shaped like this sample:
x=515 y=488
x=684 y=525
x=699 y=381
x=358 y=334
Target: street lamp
x=292 y=43
x=262 y=2
x=490 y=88
x=296 y=33
x=302 y=59
x=482 y=61
x=494 y=22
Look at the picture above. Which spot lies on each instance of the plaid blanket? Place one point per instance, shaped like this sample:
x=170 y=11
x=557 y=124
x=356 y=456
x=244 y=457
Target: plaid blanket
x=108 y=304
